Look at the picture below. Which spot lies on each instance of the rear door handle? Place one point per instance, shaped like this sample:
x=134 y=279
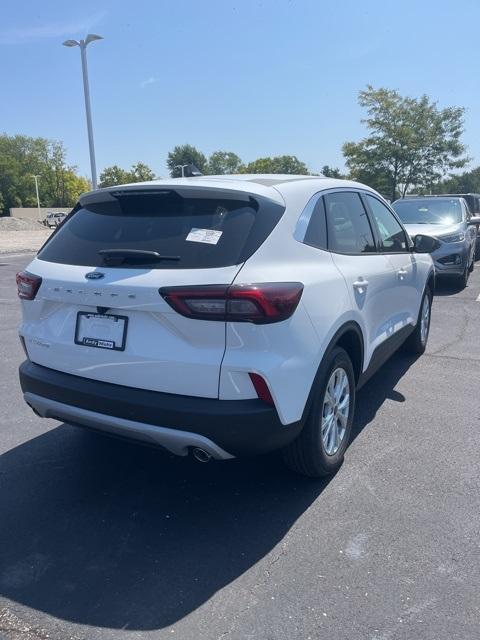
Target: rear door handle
x=401 y=273
x=360 y=284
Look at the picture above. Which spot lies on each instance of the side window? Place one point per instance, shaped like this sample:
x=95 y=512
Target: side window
x=392 y=236
x=348 y=226
x=316 y=234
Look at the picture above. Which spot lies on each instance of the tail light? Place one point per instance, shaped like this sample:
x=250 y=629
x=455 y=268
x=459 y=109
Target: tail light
x=27 y=285
x=263 y=303
x=261 y=387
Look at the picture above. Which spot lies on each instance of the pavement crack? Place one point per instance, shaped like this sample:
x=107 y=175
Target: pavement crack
x=445 y=357
x=252 y=591
x=461 y=335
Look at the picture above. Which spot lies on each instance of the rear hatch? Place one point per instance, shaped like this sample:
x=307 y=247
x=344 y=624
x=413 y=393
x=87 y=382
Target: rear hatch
x=98 y=312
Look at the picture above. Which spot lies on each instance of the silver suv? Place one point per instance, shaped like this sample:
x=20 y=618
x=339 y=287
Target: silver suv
x=449 y=220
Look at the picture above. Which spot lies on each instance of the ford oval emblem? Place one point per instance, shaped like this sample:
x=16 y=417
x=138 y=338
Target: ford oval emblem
x=94 y=275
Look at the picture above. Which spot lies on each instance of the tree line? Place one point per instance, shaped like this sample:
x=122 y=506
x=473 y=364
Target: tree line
x=22 y=158
x=411 y=145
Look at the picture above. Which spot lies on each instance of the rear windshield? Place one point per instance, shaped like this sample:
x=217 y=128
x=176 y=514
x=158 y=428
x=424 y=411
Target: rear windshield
x=191 y=232
x=434 y=211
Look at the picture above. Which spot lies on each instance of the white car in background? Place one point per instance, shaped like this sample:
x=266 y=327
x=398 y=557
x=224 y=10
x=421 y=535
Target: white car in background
x=223 y=316
x=54 y=218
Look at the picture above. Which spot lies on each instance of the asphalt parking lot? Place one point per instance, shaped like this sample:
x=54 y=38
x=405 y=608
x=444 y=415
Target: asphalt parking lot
x=104 y=539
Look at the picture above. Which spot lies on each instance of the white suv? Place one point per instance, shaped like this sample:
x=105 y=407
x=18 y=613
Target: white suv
x=223 y=315
x=54 y=219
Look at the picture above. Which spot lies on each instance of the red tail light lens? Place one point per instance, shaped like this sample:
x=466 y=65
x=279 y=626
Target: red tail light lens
x=27 y=285
x=258 y=303
x=261 y=387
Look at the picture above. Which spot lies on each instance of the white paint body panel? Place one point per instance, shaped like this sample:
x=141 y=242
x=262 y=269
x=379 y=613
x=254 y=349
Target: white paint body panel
x=170 y=353
x=164 y=351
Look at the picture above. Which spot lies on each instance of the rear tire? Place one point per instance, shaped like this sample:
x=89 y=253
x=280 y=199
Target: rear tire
x=416 y=342
x=321 y=445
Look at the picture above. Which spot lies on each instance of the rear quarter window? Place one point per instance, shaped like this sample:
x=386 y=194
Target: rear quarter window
x=201 y=232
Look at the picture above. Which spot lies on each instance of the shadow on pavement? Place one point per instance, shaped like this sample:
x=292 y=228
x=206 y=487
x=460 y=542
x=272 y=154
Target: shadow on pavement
x=108 y=534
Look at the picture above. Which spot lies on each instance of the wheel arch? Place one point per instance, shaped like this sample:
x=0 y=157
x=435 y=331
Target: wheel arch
x=350 y=338
x=431 y=282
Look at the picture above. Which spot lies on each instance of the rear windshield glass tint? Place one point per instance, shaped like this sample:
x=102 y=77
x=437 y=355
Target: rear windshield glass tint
x=197 y=232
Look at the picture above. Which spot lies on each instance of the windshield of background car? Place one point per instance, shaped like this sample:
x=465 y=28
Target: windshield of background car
x=199 y=232
x=429 y=211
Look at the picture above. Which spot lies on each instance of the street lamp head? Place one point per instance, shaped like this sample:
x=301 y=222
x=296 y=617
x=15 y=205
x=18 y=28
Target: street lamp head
x=71 y=43
x=91 y=37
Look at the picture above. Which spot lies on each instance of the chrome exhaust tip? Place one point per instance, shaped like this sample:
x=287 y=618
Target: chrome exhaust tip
x=201 y=455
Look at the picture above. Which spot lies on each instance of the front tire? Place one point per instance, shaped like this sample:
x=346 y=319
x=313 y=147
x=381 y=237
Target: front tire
x=416 y=342
x=463 y=279
x=321 y=445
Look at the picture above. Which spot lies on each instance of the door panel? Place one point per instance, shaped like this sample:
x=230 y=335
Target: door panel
x=369 y=274
x=370 y=281
x=393 y=242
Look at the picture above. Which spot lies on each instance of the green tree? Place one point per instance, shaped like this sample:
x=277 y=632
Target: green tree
x=223 y=162
x=332 y=172
x=74 y=186
x=112 y=176
x=22 y=157
x=141 y=172
x=467 y=182
x=278 y=164
x=411 y=142
x=185 y=154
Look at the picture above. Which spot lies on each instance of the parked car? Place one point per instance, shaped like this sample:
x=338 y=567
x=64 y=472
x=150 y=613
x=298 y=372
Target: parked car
x=449 y=220
x=224 y=315
x=473 y=202
x=54 y=218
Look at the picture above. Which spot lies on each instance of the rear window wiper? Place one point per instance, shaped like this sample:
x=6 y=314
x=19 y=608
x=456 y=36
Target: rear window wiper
x=122 y=256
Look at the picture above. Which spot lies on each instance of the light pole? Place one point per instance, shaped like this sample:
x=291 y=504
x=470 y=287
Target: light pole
x=182 y=167
x=86 y=90
x=38 y=197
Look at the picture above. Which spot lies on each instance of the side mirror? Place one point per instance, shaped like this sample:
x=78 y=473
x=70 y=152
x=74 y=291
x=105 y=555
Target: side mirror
x=425 y=244
x=475 y=221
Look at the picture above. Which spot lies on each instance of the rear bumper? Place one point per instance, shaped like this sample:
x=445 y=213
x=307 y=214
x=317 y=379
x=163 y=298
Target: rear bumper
x=224 y=428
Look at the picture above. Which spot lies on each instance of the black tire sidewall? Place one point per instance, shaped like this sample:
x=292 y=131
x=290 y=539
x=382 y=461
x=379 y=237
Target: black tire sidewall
x=418 y=331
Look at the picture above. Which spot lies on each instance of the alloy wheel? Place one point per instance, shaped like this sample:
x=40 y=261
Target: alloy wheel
x=425 y=320
x=335 y=411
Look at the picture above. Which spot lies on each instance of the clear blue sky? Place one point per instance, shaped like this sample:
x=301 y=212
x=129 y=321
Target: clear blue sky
x=258 y=77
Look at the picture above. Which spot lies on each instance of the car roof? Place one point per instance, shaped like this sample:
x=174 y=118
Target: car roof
x=273 y=186
x=423 y=198
x=461 y=195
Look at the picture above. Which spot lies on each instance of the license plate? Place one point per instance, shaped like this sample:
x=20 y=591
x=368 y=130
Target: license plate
x=103 y=331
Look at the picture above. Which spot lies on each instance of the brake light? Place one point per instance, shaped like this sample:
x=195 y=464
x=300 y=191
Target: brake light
x=261 y=387
x=262 y=303
x=27 y=285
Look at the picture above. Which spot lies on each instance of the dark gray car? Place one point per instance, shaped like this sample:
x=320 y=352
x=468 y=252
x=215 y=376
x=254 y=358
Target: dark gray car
x=449 y=220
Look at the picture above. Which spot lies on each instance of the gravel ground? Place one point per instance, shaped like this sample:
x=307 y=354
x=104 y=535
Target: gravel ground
x=22 y=241
x=18 y=235
x=19 y=224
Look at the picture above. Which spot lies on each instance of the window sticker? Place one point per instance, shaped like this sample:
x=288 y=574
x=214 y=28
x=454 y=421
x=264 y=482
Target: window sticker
x=208 y=236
